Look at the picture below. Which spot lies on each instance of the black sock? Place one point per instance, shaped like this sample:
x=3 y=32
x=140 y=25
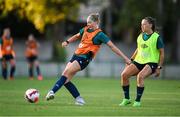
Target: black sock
x=38 y=70
x=126 y=91
x=31 y=72
x=4 y=73
x=59 y=84
x=72 y=89
x=12 y=71
x=139 y=93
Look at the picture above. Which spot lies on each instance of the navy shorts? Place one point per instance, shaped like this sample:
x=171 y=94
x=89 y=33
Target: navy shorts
x=31 y=59
x=8 y=57
x=83 y=61
x=141 y=66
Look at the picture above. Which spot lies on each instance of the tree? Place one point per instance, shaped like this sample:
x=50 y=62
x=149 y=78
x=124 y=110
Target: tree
x=131 y=13
x=47 y=16
x=172 y=27
x=40 y=12
x=166 y=14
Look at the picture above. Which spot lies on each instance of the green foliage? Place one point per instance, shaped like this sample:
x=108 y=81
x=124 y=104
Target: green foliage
x=59 y=53
x=133 y=11
x=40 y=12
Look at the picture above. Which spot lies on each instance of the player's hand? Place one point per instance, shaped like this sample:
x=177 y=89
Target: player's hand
x=64 y=44
x=128 y=61
x=157 y=72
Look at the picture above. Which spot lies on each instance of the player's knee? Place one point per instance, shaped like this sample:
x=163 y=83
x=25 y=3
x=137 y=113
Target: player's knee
x=140 y=76
x=36 y=63
x=4 y=66
x=30 y=65
x=124 y=75
x=67 y=72
x=13 y=63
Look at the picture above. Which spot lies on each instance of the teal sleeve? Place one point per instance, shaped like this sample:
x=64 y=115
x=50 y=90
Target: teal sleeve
x=1 y=41
x=81 y=31
x=160 y=43
x=101 y=38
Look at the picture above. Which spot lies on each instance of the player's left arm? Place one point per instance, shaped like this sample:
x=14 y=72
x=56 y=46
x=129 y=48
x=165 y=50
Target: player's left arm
x=71 y=39
x=0 y=48
x=12 y=46
x=160 y=46
x=161 y=58
x=134 y=54
x=0 y=52
x=38 y=44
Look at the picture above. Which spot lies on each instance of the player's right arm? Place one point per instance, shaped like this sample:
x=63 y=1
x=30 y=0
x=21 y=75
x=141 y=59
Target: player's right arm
x=134 y=55
x=118 y=52
x=0 y=52
x=71 y=39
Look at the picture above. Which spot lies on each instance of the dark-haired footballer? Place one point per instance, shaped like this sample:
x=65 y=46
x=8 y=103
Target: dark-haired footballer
x=147 y=60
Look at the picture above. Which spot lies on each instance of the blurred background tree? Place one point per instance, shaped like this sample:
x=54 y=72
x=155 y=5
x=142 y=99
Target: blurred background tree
x=47 y=17
x=121 y=20
x=129 y=13
x=40 y=12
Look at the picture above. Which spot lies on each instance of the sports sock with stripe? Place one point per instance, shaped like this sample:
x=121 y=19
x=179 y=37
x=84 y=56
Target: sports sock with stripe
x=59 y=84
x=72 y=89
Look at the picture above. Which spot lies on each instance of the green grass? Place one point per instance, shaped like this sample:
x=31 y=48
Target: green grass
x=161 y=98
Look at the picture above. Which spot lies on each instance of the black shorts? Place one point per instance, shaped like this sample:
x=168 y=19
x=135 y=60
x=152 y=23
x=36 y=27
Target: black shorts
x=83 y=61
x=141 y=66
x=31 y=59
x=8 y=57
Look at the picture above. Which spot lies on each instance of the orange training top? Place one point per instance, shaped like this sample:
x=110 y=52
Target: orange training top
x=7 y=46
x=31 y=49
x=86 y=45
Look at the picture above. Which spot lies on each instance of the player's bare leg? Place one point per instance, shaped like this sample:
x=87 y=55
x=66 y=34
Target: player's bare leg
x=13 y=68
x=145 y=72
x=70 y=70
x=129 y=71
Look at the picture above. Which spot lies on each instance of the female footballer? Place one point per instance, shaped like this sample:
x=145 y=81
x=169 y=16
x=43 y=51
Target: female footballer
x=8 y=54
x=91 y=39
x=147 y=59
x=31 y=54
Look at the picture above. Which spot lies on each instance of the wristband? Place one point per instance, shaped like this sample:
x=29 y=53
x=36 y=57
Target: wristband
x=159 y=67
x=67 y=41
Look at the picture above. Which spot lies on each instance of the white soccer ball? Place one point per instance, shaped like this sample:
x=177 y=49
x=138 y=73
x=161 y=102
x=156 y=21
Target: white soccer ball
x=32 y=95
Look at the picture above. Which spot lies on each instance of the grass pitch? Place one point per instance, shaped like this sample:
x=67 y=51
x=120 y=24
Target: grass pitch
x=161 y=98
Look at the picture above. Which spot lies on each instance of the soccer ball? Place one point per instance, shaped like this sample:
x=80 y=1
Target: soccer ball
x=32 y=95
